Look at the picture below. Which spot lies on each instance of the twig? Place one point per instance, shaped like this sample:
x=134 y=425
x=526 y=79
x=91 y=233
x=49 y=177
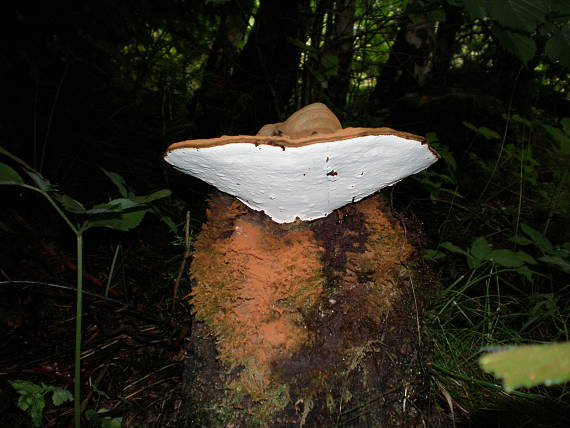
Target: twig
x=184 y=259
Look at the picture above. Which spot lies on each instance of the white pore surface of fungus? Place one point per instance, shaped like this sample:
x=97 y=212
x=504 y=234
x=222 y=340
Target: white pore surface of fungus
x=306 y=182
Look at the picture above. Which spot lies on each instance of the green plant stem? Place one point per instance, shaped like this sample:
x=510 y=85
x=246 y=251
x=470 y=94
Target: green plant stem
x=55 y=205
x=78 y=320
x=112 y=271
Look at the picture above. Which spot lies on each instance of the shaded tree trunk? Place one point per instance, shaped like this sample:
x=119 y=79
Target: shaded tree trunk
x=210 y=102
x=312 y=79
x=312 y=324
x=407 y=67
x=340 y=45
x=444 y=46
x=267 y=68
x=255 y=86
x=327 y=68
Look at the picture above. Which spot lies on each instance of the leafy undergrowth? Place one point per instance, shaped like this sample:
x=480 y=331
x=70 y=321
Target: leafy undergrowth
x=496 y=213
x=501 y=247
x=133 y=329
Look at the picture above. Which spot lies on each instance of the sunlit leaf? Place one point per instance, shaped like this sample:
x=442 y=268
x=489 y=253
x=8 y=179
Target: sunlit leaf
x=8 y=175
x=529 y=365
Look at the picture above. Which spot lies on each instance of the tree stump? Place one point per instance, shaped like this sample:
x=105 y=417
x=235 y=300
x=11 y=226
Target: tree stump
x=314 y=324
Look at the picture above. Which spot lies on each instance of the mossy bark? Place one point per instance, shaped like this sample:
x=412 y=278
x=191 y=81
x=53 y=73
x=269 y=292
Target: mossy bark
x=307 y=324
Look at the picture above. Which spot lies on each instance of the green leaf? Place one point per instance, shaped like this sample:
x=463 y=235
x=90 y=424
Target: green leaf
x=31 y=400
x=524 y=271
x=453 y=248
x=26 y=387
x=125 y=220
x=560 y=6
x=437 y=15
x=558 y=46
x=120 y=182
x=25 y=402
x=522 y=15
x=166 y=219
x=560 y=136
x=434 y=254
x=489 y=134
x=330 y=64
x=159 y=194
x=470 y=126
x=519 y=119
x=476 y=8
x=471 y=261
x=61 y=395
x=36 y=411
x=510 y=259
x=103 y=421
x=41 y=182
x=565 y=122
x=520 y=240
x=70 y=204
x=563 y=264
x=113 y=423
x=520 y=45
x=526 y=258
x=541 y=241
x=481 y=248
x=89 y=413
x=446 y=155
x=483 y=130
x=529 y=365
x=114 y=206
x=8 y=175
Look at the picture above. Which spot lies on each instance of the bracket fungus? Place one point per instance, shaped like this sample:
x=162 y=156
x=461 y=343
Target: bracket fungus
x=316 y=315
x=305 y=167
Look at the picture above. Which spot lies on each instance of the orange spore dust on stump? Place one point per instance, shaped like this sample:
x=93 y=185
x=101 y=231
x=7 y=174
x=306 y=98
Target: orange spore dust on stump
x=314 y=312
x=384 y=252
x=253 y=287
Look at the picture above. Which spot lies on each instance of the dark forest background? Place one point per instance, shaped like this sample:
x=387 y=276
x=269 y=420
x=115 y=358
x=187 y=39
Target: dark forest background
x=87 y=86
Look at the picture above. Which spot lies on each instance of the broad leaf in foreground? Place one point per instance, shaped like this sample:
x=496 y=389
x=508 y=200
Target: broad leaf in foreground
x=529 y=365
